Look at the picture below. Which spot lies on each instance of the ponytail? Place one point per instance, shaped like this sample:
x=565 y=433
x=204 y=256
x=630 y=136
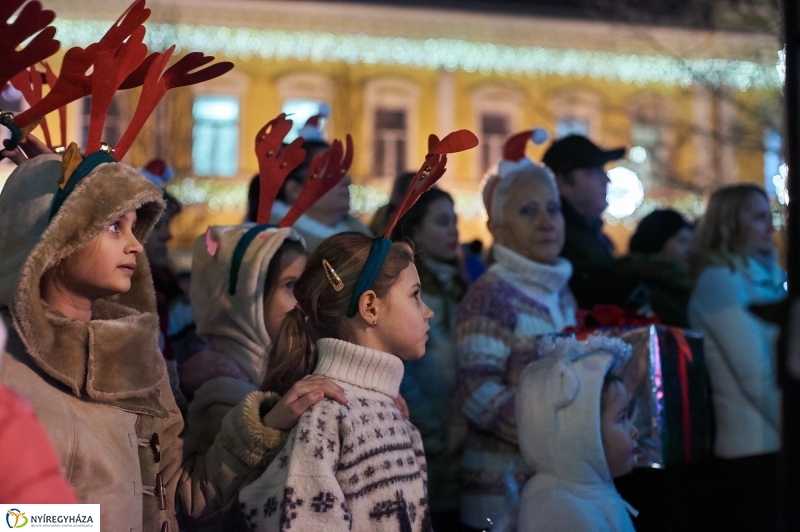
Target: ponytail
x=292 y=356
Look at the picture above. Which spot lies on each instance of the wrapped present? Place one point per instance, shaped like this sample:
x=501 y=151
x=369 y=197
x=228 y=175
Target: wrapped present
x=667 y=377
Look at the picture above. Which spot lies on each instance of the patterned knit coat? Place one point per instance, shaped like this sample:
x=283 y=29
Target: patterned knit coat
x=498 y=321
x=358 y=467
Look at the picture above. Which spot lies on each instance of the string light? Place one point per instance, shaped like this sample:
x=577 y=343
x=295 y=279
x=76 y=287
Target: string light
x=449 y=54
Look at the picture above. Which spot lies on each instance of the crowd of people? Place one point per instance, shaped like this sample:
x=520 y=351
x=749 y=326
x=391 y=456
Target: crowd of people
x=314 y=373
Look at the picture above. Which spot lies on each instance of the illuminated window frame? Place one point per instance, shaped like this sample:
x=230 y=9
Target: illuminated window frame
x=308 y=86
x=494 y=100
x=578 y=104
x=395 y=95
x=233 y=84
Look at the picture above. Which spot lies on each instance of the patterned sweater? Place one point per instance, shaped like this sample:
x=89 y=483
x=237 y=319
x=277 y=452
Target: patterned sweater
x=358 y=467
x=498 y=321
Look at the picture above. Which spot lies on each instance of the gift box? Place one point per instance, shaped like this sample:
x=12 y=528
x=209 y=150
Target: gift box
x=666 y=375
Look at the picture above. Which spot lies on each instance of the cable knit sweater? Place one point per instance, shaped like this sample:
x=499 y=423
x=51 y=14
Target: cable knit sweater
x=357 y=467
x=498 y=321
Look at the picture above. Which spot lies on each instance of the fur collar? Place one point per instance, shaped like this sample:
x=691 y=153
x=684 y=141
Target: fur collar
x=114 y=358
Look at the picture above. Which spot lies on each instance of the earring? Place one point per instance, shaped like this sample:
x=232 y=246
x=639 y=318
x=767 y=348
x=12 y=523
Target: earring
x=374 y=324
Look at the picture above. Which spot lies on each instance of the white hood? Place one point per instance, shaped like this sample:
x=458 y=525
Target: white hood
x=558 y=418
x=558 y=415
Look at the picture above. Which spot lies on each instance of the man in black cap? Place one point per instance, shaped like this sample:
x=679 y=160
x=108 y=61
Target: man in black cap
x=579 y=167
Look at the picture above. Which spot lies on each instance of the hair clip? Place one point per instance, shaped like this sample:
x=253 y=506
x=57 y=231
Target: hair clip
x=333 y=277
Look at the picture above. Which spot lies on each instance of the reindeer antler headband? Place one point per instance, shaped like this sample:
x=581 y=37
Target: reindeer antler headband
x=32 y=21
x=122 y=62
x=274 y=165
x=432 y=169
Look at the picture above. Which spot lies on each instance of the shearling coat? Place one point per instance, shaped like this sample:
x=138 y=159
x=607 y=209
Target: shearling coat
x=100 y=388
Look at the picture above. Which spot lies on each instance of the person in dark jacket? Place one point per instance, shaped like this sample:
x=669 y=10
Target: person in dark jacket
x=659 y=255
x=579 y=167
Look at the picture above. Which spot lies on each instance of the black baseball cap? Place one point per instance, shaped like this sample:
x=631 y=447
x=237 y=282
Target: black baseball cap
x=576 y=151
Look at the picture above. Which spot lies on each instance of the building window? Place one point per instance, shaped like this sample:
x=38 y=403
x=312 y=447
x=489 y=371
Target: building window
x=390 y=142
x=576 y=112
x=112 y=128
x=299 y=111
x=390 y=122
x=572 y=126
x=215 y=136
x=495 y=129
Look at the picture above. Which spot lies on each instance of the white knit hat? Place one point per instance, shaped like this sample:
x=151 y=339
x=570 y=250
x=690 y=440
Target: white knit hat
x=513 y=165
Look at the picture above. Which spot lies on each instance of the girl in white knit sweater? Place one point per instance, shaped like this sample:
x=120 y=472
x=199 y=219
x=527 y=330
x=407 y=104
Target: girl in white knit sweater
x=360 y=466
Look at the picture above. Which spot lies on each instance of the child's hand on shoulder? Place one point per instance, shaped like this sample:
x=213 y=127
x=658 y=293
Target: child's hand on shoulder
x=305 y=393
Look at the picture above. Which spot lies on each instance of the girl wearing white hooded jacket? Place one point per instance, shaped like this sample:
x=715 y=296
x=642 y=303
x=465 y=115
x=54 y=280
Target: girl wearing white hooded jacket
x=575 y=432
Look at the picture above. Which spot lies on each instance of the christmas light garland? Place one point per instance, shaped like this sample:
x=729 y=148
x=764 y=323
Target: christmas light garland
x=450 y=54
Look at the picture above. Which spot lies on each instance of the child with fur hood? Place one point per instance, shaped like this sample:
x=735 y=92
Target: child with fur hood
x=77 y=297
x=575 y=431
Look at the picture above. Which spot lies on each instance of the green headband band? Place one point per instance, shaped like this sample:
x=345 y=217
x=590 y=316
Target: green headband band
x=240 y=250
x=377 y=256
x=85 y=168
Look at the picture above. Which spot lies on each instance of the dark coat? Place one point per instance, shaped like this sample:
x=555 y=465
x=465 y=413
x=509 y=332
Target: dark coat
x=670 y=286
x=597 y=278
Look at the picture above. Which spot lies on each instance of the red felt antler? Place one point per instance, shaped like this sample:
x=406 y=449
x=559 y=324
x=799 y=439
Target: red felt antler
x=115 y=66
x=131 y=19
x=273 y=164
x=29 y=83
x=324 y=173
x=73 y=82
x=184 y=72
x=30 y=21
x=432 y=169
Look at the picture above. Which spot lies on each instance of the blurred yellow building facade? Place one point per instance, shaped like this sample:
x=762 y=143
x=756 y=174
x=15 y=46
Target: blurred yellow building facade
x=700 y=107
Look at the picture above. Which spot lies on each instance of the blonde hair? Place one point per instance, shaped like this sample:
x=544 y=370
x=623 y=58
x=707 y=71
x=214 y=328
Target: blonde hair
x=718 y=238
x=321 y=311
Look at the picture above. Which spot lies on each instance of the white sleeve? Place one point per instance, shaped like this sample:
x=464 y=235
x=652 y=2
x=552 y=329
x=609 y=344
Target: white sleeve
x=721 y=313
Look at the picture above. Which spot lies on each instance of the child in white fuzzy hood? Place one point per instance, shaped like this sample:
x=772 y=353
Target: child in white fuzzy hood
x=575 y=431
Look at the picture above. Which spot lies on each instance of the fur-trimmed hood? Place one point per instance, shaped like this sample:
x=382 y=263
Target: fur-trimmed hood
x=235 y=323
x=113 y=359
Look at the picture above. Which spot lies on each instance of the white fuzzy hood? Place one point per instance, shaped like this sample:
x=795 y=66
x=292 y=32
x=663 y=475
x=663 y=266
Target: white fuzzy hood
x=558 y=417
x=558 y=414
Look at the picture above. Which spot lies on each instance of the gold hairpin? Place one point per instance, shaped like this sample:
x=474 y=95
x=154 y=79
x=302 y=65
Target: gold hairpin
x=333 y=277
